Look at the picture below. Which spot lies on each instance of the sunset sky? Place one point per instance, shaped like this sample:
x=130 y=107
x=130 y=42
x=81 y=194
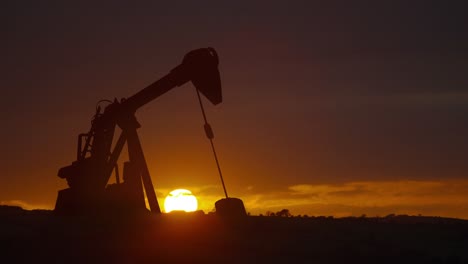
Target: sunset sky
x=330 y=107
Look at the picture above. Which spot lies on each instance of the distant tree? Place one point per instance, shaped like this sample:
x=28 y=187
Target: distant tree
x=283 y=213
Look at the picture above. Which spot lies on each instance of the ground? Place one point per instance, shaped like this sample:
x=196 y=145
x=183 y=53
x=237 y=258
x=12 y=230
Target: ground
x=41 y=236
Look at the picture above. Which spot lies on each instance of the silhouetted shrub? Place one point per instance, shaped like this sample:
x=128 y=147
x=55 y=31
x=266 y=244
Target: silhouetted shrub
x=283 y=213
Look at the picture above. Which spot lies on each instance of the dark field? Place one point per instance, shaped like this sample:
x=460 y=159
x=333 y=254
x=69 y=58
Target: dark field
x=42 y=237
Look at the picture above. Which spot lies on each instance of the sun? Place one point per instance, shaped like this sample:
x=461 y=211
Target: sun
x=180 y=200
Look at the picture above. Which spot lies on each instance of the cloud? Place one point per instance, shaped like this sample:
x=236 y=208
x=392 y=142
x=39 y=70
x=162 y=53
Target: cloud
x=442 y=198
x=25 y=205
x=408 y=99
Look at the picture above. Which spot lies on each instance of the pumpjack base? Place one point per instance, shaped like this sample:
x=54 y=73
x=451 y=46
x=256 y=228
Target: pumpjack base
x=114 y=199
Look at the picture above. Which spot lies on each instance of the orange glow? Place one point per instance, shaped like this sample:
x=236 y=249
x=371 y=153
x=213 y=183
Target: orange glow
x=447 y=198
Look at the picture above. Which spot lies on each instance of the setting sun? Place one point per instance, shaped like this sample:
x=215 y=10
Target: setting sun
x=180 y=200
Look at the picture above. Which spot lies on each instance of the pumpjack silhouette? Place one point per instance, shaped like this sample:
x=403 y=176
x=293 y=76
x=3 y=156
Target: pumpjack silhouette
x=96 y=158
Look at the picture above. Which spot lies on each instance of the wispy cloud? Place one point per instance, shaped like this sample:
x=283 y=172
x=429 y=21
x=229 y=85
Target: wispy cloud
x=399 y=99
x=444 y=198
x=25 y=205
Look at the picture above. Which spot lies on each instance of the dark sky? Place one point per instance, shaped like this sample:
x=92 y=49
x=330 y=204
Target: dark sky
x=329 y=92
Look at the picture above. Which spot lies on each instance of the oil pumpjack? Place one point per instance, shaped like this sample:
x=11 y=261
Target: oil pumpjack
x=88 y=176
